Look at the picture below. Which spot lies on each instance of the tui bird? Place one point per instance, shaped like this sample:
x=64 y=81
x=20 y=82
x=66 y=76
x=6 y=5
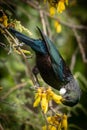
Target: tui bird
x=52 y=67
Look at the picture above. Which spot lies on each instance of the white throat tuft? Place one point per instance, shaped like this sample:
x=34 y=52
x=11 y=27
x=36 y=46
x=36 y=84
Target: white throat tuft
x=62 y=91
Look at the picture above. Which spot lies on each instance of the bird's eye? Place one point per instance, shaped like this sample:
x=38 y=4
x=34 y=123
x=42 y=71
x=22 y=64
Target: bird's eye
x=67 y=98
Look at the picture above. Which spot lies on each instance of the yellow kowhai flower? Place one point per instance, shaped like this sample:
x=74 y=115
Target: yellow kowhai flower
x=43 y=96
x=52 y=10
x=4 y=20
x=58 y=27
x=64 y=122
x=61 y=6
x=56 y=122
x=37 y=101
x=50 y=127
x=37 y=97
x=58 y=99
x=53 y=120
x=58 y=5
x=44 y=102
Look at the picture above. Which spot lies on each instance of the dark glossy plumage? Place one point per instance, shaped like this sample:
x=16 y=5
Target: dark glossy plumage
x=52 y=66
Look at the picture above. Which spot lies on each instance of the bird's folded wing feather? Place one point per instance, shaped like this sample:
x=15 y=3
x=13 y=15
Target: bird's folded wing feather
x=59 y=66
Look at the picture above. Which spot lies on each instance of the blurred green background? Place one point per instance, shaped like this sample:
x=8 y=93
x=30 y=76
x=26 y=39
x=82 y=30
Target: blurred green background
x=16 y=110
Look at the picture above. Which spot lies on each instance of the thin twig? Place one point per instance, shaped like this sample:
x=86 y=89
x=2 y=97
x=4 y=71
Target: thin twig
x=49 y=32
x=78 y=38
x=73 y=59
x=43 y=21
x=1 y=128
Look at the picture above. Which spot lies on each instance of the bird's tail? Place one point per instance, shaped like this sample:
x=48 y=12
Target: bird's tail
x=22 y=37
x=35 y=44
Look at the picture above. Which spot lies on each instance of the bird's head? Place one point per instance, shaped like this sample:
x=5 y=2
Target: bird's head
x=71 y=93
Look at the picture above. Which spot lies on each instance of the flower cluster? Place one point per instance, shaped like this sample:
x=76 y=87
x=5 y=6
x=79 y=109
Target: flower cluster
x=56 y=122
x=3 y=18
x=58 y=5
x=43 y=96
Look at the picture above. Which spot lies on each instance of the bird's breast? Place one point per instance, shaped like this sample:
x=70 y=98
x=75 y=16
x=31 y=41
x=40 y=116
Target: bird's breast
x=43 y=61
x=44 y=65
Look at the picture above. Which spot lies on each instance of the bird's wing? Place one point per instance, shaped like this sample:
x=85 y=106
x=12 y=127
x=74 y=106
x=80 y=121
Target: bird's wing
x=58 y=64
x=35 y=44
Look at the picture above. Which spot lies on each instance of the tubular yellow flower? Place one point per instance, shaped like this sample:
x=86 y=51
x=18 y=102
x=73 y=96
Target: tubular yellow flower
x=56 y=122
x=4 y=20
x=44 y=102
x=58 y=5
x=50 y=127
x=37 y=97
x=58 y=26
x=64 y=122
x=58 y=99
x=58 y=29
x=52 y=11
x=37 y=101
x=61 y=6
x=43 y=96
x=52 y=96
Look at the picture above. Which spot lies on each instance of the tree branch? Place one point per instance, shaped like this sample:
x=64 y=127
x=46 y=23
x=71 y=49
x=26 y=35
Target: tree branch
x=78 y=39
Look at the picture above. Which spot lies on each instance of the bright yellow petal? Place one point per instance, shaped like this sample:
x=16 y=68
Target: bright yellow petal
x=50 y=92
x=49 y=119
x=39 y=92
x=51 y=127
x=56 y=24
x=64 y=122
x=44 y=103
x=57 y=98
x=52 y=11
x=5 y=20
x=61 y=6
x=44 y=127
x=59 y=28
x=59 y=126
x=37 y=101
